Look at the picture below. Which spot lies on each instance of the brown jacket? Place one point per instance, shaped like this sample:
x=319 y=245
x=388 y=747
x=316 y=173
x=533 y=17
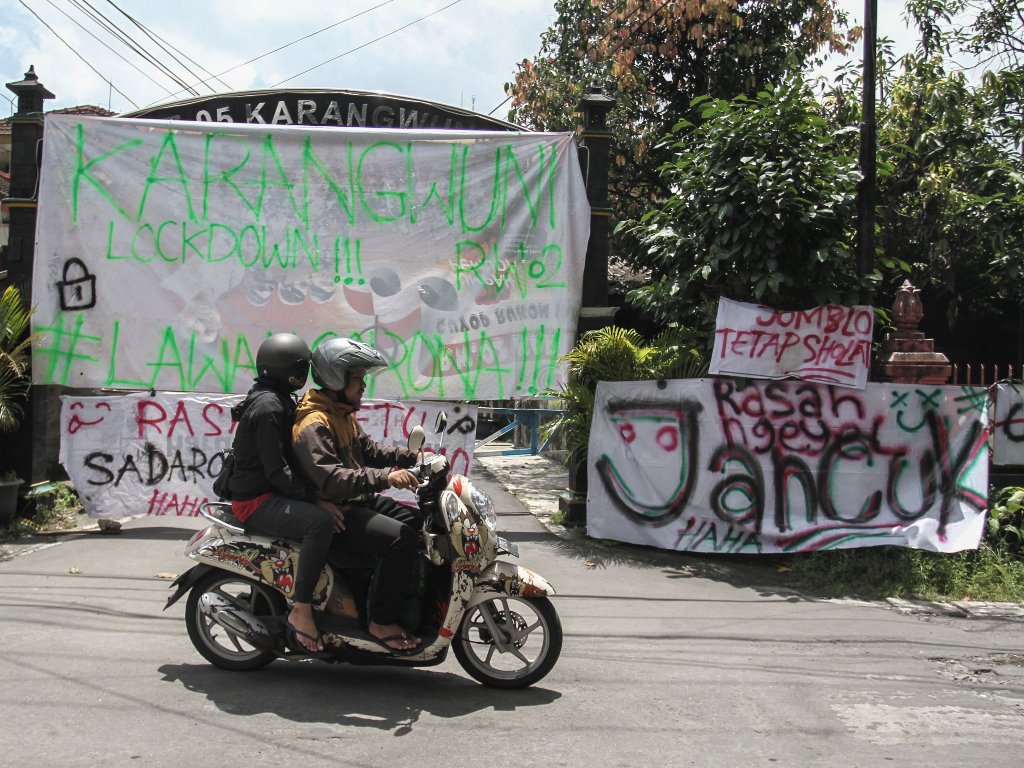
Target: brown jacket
x=337 y=455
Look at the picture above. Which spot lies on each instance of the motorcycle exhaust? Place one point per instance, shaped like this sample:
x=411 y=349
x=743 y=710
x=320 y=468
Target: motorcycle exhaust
x=236 y=621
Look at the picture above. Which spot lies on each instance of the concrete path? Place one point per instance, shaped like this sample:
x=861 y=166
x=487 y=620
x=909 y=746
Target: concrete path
x=673 y=663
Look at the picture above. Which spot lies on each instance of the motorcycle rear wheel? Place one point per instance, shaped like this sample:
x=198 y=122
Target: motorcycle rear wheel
x=531 y=634
x=216 y=644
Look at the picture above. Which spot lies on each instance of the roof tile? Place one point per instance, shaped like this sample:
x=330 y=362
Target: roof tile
x=90 y=110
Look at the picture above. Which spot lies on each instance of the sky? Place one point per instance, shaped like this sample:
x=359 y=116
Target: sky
x=463 y=52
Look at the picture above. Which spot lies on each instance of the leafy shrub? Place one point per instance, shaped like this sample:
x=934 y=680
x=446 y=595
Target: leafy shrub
x=15 y=353
x=52 y=512
x=762 y=197
x=1003 y=531
x=619 y=354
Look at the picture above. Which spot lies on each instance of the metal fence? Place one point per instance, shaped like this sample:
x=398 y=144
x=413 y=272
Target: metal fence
x=521 y=417
x=975 y=375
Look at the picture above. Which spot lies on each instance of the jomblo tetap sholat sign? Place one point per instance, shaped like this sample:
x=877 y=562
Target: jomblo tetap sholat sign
x=707 y=465
x=167 y=251
x=829 y=344
x=159 y=454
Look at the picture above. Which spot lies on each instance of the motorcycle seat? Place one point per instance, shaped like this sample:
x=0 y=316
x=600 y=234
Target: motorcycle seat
x=221 y=512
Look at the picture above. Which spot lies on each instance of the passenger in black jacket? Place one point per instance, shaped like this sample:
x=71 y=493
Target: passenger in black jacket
x=266 y=491
x=262 y=446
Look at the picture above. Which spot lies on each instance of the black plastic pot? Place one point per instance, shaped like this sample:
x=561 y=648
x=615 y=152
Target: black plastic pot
x=8 y=500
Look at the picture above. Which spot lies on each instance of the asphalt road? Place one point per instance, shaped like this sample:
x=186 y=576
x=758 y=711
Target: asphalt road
x=661 y=666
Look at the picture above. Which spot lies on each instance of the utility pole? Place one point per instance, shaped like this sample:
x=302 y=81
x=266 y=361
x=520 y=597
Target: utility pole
x=595 y=158
x=868 y=147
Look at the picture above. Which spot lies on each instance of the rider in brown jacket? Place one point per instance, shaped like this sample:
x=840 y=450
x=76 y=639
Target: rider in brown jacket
x=350 y=469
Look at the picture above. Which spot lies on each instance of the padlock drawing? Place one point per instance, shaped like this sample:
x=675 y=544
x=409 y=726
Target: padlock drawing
x=77 y=292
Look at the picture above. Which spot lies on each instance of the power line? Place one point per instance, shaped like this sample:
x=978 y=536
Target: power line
x=389 y=34
x=288 y=45
x=148 y=31
x=160 y=42
x=111 y=29
x=130 y=64
x=100 y=19
x=90 y=66
x=506 y=101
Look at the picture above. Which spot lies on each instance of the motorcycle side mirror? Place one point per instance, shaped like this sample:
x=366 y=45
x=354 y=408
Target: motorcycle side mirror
x=416 y=438
x=441 y=423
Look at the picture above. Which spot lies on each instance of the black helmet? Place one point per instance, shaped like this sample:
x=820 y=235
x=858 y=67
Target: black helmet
x=334 y=358
x=284 y=357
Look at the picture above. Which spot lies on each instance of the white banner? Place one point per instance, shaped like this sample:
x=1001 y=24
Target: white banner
x=159 y=454
x=1008 y=438
x=167 y=251
x=827 y=344
x=702 y=465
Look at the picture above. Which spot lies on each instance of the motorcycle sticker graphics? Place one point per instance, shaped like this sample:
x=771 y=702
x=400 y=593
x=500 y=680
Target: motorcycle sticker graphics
x=471 y=540
x=274 y=563
x=279 y=569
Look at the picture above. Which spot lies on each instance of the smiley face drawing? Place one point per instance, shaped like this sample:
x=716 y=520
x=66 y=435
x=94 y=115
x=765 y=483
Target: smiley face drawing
x=651 y=471
x=77 y=422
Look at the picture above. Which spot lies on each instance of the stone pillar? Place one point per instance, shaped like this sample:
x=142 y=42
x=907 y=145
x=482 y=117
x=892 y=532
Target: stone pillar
x=26 y=133
x=907 y=357
x=26 y=449
x=595 y=157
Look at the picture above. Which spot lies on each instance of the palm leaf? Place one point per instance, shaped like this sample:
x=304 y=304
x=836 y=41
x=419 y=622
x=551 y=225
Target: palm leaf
x=619 y=354
x=15 y=357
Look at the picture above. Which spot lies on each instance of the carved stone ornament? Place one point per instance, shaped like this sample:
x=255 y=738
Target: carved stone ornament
x=907 y=310
x=906 y=356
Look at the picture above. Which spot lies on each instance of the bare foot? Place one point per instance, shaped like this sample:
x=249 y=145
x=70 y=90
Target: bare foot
x=301 y=618
x=380 y=631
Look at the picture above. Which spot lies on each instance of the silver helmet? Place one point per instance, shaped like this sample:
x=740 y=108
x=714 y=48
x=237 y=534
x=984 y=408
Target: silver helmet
x=334 y=358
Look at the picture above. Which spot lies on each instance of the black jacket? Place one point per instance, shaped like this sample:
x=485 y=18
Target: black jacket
x=263 y=454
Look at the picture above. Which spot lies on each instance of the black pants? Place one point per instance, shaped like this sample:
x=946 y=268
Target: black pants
x=386 y=529
x=300 y=521
x=381 y=528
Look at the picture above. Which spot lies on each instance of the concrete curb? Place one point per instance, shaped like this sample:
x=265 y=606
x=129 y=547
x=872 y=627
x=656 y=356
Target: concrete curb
x=925 y=607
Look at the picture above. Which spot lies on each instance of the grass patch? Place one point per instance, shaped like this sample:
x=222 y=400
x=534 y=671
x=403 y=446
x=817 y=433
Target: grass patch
x=982 y=574
x=55 y=511
x=560 y=518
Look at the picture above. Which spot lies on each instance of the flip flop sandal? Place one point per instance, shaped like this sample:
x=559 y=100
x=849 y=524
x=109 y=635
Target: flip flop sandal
x=383 y=642
x=293 y=639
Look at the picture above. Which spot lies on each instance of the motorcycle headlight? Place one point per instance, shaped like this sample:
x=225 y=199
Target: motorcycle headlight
x=485 y=507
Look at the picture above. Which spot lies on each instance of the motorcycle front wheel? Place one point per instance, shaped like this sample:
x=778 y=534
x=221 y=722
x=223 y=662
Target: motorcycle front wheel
x=509 y=642
x=219 y=646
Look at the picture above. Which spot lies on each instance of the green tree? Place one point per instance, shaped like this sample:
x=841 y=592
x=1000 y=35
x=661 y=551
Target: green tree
x=953 y=205
x=763 y=201
x=950 y=198
x=655 y=57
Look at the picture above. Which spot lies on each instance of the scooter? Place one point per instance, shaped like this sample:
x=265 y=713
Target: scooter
x=495 y=614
